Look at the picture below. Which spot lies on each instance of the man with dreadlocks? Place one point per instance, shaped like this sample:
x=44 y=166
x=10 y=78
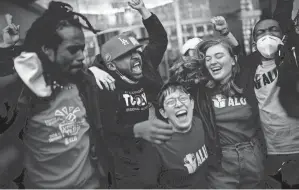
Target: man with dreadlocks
x=62 y=104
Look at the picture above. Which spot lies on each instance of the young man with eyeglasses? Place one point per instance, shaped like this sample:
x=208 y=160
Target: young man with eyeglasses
x=182 y=161
x=125 y=111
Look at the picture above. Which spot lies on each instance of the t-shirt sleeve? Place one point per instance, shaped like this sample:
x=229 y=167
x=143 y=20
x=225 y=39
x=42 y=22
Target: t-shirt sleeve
x=150 y=166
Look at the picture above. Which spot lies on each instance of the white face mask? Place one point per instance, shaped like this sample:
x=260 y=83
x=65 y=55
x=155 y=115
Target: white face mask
x=268 y=46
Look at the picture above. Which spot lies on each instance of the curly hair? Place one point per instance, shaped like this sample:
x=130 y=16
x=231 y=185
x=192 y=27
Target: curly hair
x=188 y=71
x=229 y=88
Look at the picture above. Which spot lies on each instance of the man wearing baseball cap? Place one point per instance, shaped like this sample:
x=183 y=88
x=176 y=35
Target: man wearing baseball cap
x=125 y=110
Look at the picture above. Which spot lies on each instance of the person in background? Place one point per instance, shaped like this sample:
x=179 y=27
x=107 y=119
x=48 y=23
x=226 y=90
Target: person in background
x=182 y=161
x=62 y=113
x=221 y=26
x=125 y=110
x=11 y=118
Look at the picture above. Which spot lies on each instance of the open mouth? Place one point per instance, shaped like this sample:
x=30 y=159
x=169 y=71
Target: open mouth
x=137 y=67
x=216 y=70
x=181 y=115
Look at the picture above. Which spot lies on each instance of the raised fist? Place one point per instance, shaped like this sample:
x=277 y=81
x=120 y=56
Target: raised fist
x=220 y=25
x=136 y=4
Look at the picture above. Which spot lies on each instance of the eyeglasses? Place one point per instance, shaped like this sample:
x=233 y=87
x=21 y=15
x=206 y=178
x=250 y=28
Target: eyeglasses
x=172 y=102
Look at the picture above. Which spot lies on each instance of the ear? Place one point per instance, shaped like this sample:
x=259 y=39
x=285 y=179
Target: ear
x=49 y=53
x=162 y=112
x=235 y=59
x=111 y=66
x=192 y=103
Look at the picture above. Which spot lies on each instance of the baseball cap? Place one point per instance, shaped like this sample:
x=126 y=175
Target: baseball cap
x=118 y=46
x=190 y=44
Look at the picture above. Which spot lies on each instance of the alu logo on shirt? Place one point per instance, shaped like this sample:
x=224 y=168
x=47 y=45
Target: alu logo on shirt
x=193 y=160
x=261 y=80
x=222 y=102
x=68 y=125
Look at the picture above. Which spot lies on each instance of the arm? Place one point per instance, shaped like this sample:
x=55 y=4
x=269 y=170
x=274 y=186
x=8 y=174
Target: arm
x=8 y=80
x=158 y=41
x=150 y=166
x=221 y=26
x=288 y=80
x=283 y=14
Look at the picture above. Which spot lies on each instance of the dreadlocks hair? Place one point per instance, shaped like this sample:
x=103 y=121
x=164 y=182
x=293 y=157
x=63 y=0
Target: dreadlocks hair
x=229 y=88
x=43 y=32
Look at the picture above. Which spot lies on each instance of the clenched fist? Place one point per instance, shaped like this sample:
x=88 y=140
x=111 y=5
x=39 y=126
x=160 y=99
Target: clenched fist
x=220 y=25
x=136 y=4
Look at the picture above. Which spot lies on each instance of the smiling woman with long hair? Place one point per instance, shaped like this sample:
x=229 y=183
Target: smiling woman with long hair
x=233 y=123
x=236 y=119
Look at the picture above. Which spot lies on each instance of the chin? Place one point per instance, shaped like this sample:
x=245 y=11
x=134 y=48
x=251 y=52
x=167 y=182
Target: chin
x=137 y=77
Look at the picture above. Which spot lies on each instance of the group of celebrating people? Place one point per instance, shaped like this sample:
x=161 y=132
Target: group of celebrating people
x=223 y=120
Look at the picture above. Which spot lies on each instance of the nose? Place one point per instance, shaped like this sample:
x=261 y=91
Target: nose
x=178 y=103
x=80 y=55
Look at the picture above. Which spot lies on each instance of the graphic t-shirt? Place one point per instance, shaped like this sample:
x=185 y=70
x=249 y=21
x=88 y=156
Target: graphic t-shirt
x=57 y=143
x=234 y=118
x=178 y=163
x=281 y=132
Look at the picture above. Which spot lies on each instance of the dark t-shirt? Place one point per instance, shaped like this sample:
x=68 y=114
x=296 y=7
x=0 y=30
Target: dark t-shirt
x=234 y=118
x=179 y=163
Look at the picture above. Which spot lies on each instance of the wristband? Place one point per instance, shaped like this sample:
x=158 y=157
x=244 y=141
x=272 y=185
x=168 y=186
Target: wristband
x=224 y=32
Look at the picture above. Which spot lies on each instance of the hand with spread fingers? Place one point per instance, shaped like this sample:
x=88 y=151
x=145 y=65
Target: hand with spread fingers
x=220 y=25
x=103 y=77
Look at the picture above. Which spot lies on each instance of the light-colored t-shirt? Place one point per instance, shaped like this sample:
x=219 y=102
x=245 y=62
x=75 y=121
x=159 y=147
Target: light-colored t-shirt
x=57 y=144
x=281 y=132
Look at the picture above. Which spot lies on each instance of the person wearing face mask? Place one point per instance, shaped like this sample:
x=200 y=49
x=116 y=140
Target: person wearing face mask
x=263 y=70
x=182 y=161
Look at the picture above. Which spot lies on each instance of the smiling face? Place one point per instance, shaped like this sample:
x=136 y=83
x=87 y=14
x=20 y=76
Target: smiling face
x=130 y=65
x=219 y=63
x=178 y=109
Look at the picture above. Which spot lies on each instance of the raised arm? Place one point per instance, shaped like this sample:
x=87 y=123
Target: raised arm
x=158 y=41
x=283 y=14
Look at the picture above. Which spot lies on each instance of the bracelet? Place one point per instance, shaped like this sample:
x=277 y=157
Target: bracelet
x=224 y=32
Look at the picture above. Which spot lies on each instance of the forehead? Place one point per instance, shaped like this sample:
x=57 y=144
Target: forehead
x=71 y=35
x=216 y=49
x=265 y=24
x=170 y=93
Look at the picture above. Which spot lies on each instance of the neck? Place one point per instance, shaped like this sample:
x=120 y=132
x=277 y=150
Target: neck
x=267 y=59
x=126 y=79
x=182 y=131
x=226 y=79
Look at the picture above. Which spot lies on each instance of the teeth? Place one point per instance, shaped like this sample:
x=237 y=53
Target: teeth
x=216 y=69
x=181 y=112
x=136 y=64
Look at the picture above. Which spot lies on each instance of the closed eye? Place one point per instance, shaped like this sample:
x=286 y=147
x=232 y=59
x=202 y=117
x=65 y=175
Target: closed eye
x=75 y=49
